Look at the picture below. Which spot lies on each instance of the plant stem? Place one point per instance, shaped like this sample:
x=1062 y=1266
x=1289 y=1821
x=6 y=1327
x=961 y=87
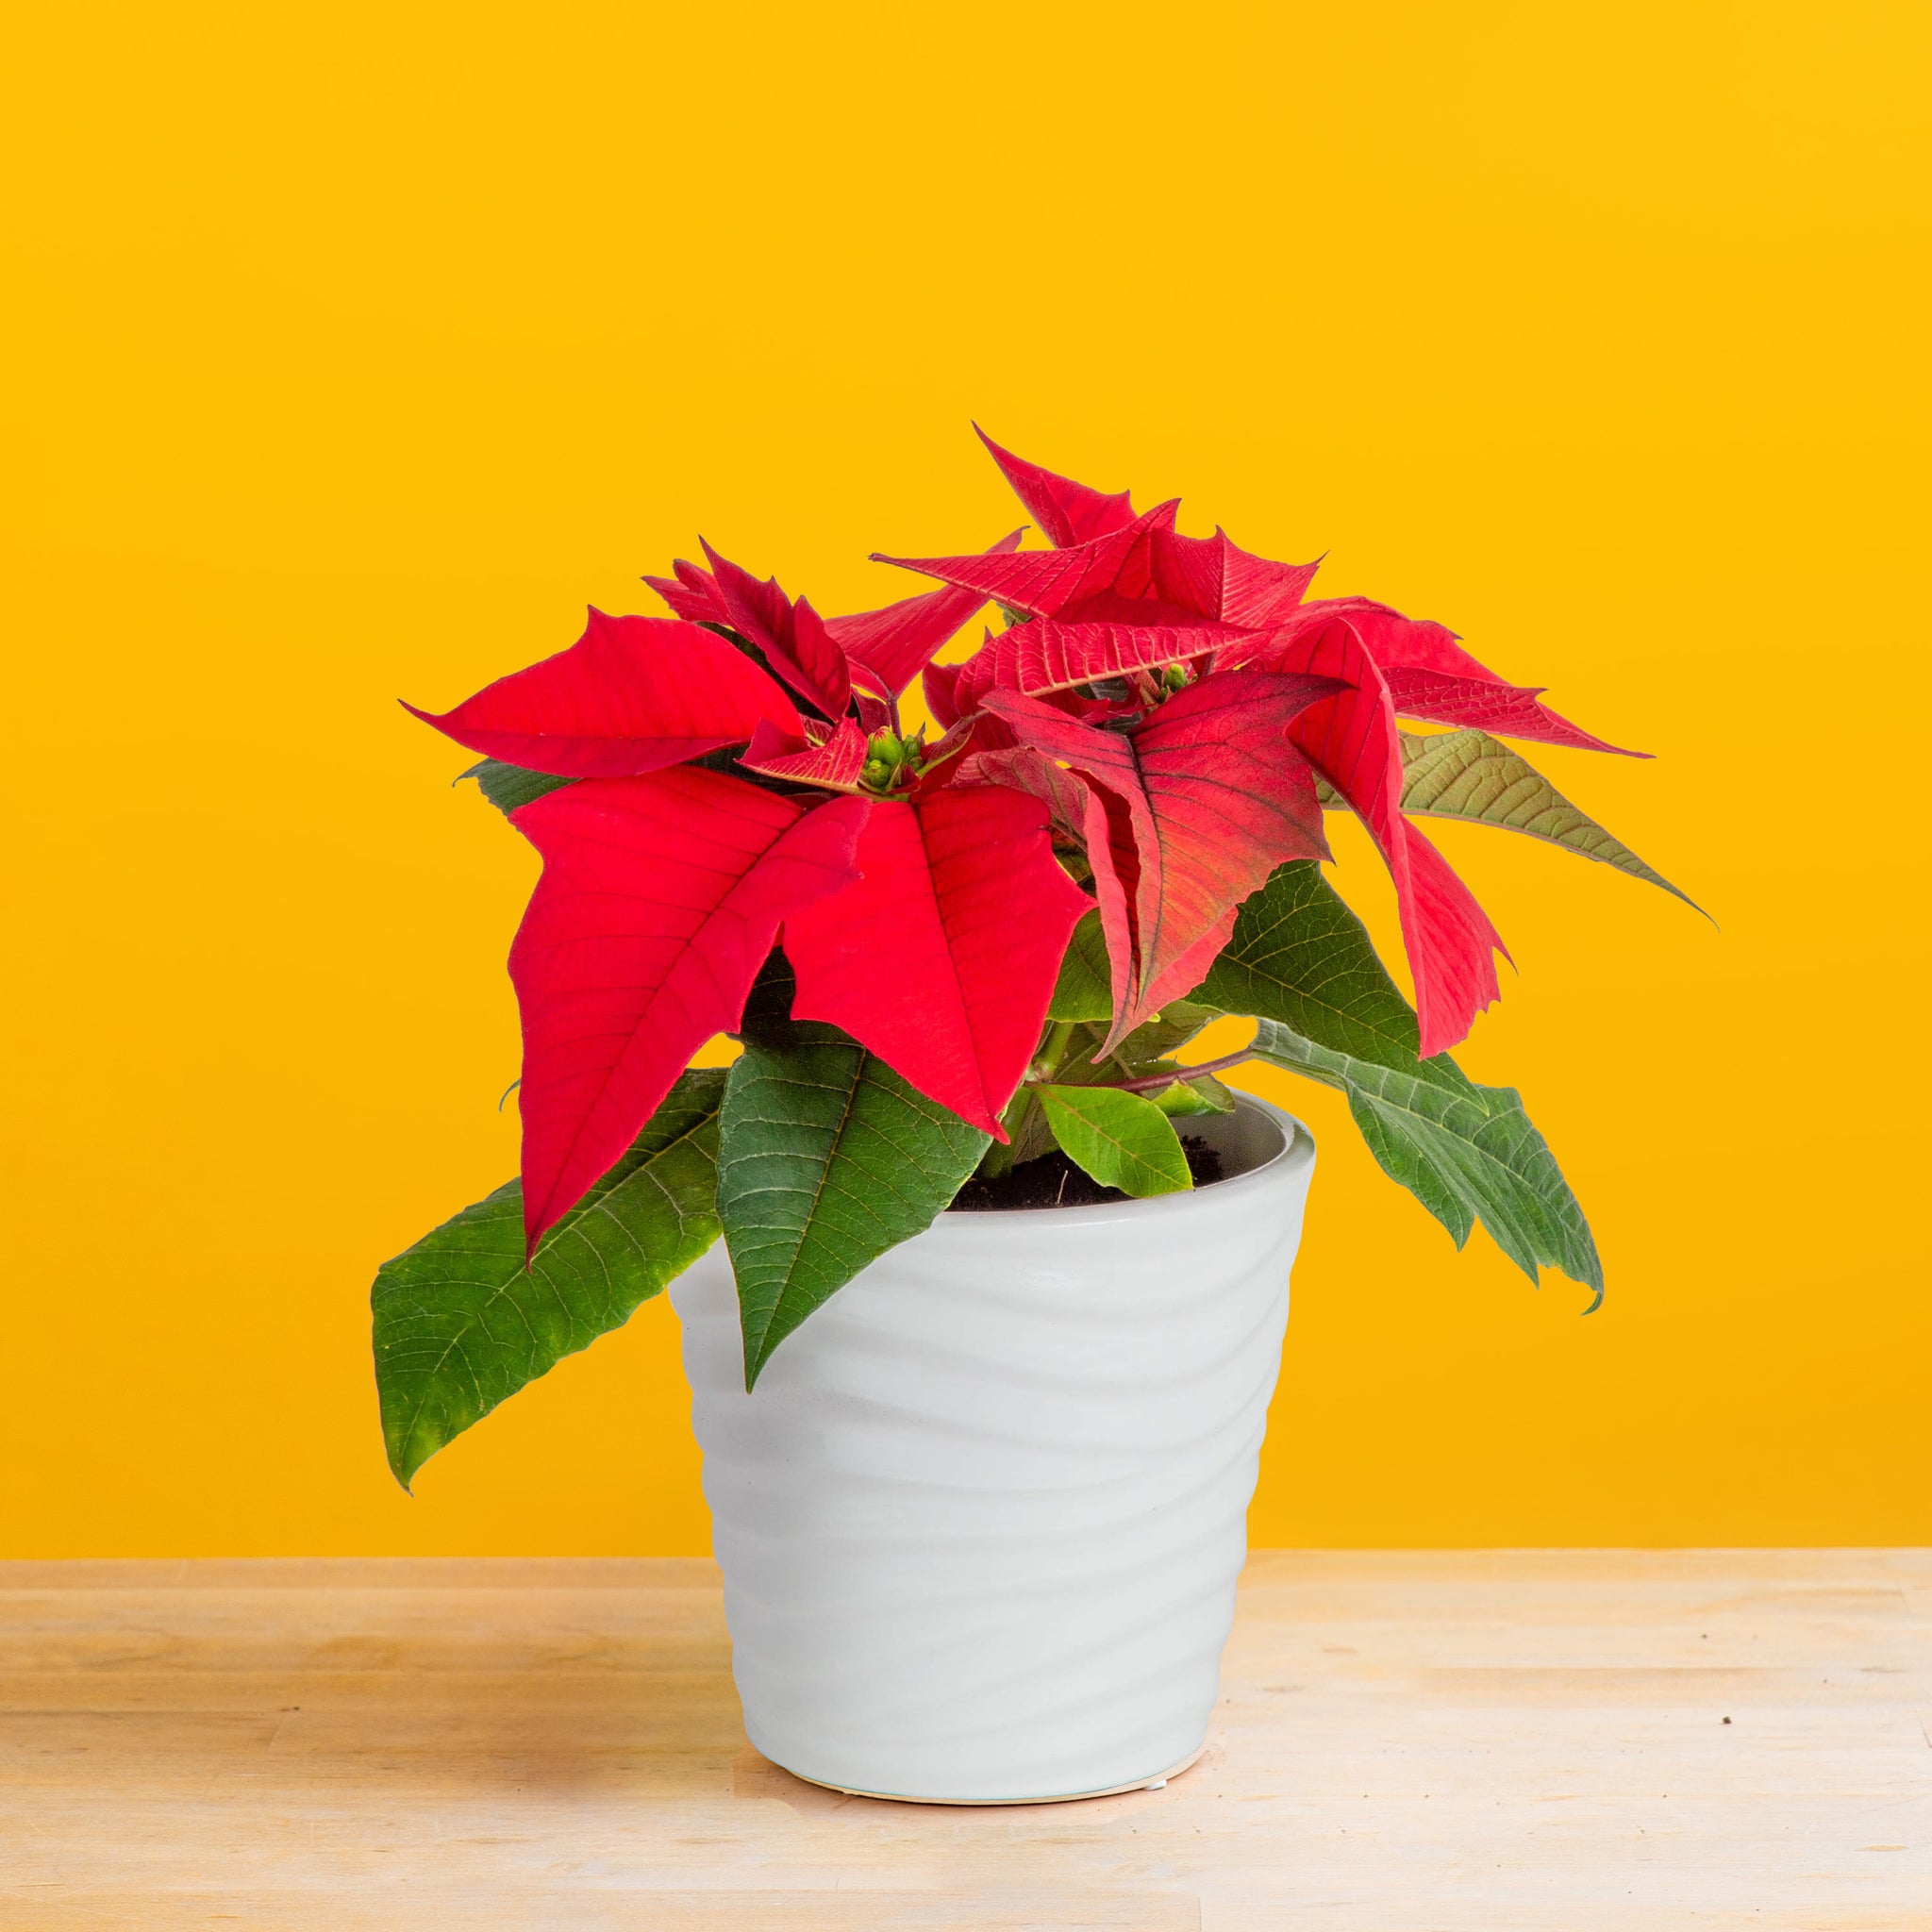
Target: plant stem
x=1047 y=1062
x=1148 y=1082
x=998 y=1159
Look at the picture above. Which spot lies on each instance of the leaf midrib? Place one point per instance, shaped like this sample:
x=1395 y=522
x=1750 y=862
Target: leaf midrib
x=817 y=1195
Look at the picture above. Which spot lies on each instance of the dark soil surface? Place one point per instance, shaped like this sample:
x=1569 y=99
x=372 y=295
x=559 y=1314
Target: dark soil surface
x=1054 y=1181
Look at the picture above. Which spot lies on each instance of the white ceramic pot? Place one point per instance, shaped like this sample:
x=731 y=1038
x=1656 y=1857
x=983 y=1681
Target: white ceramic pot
x=981 y=1519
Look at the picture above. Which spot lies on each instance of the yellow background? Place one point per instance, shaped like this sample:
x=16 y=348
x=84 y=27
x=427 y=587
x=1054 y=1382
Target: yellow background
x=356 y=347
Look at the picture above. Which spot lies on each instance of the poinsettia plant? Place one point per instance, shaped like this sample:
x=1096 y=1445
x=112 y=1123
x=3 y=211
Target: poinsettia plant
x=954 y=948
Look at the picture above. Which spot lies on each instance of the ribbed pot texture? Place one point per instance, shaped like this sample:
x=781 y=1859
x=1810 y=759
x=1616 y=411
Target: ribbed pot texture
x=981 y=1519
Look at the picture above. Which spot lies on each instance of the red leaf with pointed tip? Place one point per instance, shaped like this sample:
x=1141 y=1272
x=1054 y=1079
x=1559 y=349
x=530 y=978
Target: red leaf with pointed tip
x=1067 y=512
x=1392 y=639
x=1190 y=968
x=1212 y=577
x=692 y=594
x=1513 y=710
x=946 y=756
x=942 y=956
x=633 y=694
x=1215 y=801
x=1108 y=835
x=1109 y=840
x=1215 y=576
x=940 y=759
x=1050 y=583
x=659 y=901
x=1468 y=973
x=793 y=635
x=825 y=754
x=894 y=642
x=1431 y=676
x=1352 y=740
x=887 y=647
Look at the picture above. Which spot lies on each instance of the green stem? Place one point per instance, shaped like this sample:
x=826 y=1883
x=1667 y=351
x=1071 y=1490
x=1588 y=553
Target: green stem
x=998 y=1159
x=1060 y=1037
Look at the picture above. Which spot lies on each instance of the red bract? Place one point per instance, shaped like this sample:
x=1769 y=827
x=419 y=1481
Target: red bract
x=791 y=637
x=940 y=958
x=633 y=694
x=1142 y=572
x=659 y=901
x=831 y=755
x=1351 y=739
x=891 y=645
x=1108 y=578
x=1166 y=707
x=1120 y=597
x=1431 y=677
x=1067 y=512
x=895 y=644
x=1046 y=656
x=1193 y=807
x=932 y=935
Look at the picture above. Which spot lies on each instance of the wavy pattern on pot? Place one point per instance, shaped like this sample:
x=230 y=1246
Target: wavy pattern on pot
x=981 y=1521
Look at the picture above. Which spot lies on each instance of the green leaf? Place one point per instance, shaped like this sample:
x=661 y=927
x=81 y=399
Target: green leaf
x=1468 y=775
x=508 y=786
x=1300 y=956
x=1467 y=1153
x=1121 y=1138
x=1142 y=1051
x=1175 y=1025
x=827 y=1160
x=1085 y=989
x=460 y=1324
x=1301 y=962
x=1188 y=1098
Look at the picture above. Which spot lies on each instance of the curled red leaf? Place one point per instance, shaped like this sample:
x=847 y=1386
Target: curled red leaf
x=1209 y=799
x=791 y=636
x=692 y=594
x=1351 y=739
x=831 y=755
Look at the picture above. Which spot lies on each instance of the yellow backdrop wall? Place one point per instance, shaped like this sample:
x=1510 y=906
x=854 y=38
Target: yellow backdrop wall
x=358 y=346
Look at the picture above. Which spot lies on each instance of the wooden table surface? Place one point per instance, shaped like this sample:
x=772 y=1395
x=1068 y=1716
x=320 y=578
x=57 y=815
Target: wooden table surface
x=1571 y=1739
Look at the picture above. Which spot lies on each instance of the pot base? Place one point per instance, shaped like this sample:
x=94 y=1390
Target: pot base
x=1152 y=1781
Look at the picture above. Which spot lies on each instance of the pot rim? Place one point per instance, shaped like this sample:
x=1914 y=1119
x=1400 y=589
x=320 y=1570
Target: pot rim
x=1297 y=1144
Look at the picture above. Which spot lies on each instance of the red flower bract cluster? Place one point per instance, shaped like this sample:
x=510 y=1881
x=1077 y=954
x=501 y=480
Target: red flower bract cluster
x=1165 y=706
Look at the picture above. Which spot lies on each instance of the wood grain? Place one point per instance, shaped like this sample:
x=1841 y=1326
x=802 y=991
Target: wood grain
x=1405 y=1740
